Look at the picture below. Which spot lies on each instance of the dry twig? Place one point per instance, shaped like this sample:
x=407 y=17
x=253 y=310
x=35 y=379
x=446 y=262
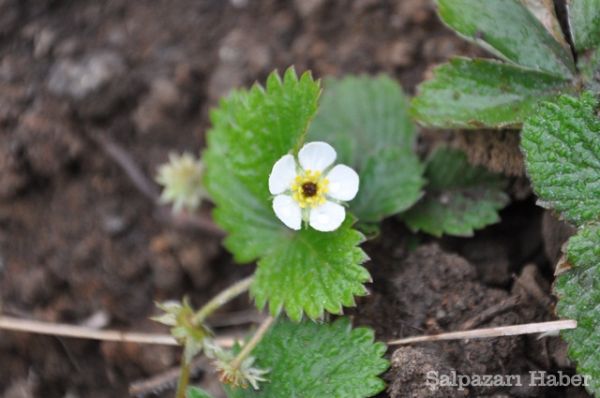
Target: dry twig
x=514 y=330
x=489 y=313
x=82 y=332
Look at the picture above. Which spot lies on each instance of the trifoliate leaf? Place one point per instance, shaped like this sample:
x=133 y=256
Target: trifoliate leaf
x=195 y=392
x=584 y=23
x=561 y=142
x=313 y=360
x=510 y=31
x=478 y=93
x=366 y=120
x=303 y=271
x=460 y=198
x=578 y=291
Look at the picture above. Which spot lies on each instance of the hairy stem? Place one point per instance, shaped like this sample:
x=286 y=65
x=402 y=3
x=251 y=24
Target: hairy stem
x=221 y=299
x=248 y=347
x=184 y=378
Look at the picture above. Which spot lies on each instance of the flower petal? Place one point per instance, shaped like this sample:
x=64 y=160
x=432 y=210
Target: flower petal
x=327 y=217
x=343 y=183
x=288 y=211
x=282 y=175
x=316 y=156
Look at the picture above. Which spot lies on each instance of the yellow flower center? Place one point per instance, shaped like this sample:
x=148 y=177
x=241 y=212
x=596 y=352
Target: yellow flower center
x=309 y=189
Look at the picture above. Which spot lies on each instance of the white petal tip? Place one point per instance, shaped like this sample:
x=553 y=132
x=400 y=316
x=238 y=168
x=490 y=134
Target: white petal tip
x=316 y=156
x=343 y=183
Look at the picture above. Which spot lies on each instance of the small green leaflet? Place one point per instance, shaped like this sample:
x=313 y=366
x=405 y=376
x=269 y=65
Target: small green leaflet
x=477 y=93
x=366 y=120
x=562 y=151
x=312 y=271
x=318 y=360
x=460 y=198
x=510 y=31
x=578 y=291
x=304 y=271
x=584 y=23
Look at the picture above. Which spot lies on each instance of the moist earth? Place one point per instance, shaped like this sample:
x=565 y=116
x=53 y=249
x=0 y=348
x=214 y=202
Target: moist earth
x=81 y=243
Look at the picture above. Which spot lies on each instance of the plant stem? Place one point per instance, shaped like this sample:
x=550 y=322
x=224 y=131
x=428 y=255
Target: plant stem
x=198 y=319
x=249 y=346
x=221 y=299
x=184 y=378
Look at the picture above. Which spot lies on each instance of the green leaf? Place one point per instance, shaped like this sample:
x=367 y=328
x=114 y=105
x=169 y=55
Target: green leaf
x=318 y=360
x=251 y=131
x=510 y=31
x=561 y=142
x=366 y=120
x=297 y=271
x=196 y=392
x=584 y=23
x=478 y=93
x=312 y=271
x=578 y=291
x=460 y=198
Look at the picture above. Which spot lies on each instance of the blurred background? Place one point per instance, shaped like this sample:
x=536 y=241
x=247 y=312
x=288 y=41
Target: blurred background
x=80 y=242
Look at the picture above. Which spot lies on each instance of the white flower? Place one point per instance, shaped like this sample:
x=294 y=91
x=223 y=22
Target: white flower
x=309 y=189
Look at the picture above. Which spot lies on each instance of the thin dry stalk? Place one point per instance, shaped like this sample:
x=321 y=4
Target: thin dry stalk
x=528 y=328
x=81 y=332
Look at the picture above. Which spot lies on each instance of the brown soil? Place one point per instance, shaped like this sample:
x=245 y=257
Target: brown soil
x=79 y=243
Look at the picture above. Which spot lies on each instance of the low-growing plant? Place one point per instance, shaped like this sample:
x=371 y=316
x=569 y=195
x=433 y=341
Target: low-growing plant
x=548 y=83
x=297 y=182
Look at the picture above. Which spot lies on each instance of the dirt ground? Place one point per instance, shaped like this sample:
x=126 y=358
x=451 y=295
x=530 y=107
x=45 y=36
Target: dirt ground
x=79 y=243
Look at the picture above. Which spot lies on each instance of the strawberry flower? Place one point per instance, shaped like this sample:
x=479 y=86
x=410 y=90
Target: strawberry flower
x=308 y=189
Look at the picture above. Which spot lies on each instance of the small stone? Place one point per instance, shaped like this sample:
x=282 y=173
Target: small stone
x=43 y=43
x=78 y=79
x=114 y=224
x=308 y=7
x=239 y=3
